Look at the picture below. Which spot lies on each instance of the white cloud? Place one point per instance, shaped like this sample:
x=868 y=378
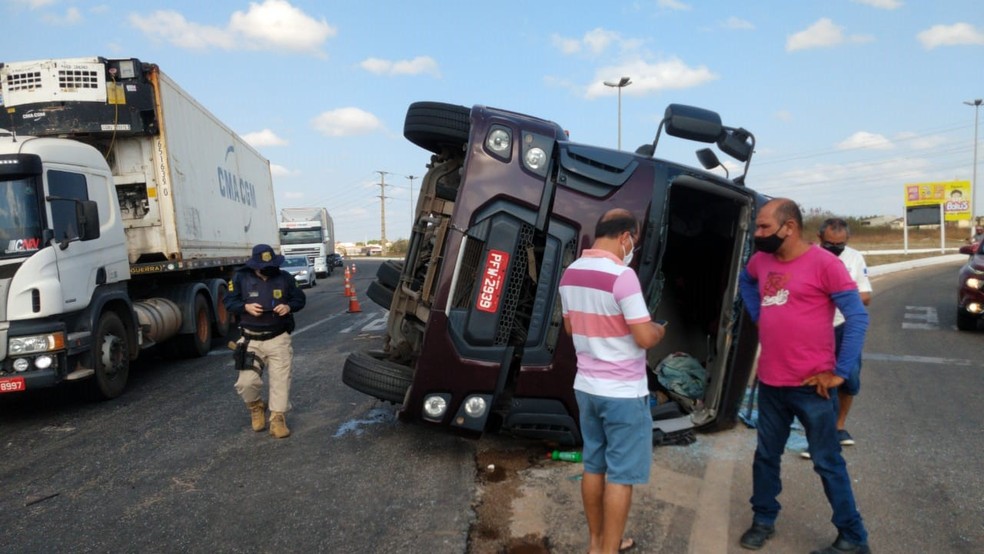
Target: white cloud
x=277 y=170
x=566 y=45
x=266 y=137
x=293 y=195
x=345 y=122
x=72 y=16
x=881 y=4
x=824 y=33
x=416 y=66
x=784 y=116
x=867 y=141
x=920 y=142
x=951 y=35
x=278 y=25
x=673 y=5
x=35 y=4
x=172 y=27
x=649 y=77
x=738 y=24
x=594 y=42
x=270 y=25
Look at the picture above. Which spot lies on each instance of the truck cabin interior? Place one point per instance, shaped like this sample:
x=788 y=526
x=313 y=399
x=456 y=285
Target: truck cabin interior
x=695 y=287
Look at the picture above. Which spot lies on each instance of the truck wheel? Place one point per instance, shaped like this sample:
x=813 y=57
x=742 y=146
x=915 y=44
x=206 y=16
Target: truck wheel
x=197 y=344
x=378 y=293
x=378 y=378
x=434 y=126
x=965 y=321
x=110 y=357
x=223 y=319
x=389 y=273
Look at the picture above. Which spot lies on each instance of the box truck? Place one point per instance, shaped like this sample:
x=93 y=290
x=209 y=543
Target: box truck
x=475 y=340
x=125 y=205
x=308 y=232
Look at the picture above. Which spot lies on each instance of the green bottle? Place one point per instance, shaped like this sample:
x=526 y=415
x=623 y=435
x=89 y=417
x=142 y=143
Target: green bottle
x=572 y=456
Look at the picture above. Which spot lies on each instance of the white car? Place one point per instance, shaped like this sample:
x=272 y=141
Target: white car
x=302 y=269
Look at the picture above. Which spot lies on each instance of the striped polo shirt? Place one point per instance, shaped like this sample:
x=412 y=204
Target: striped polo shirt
x=601 y=297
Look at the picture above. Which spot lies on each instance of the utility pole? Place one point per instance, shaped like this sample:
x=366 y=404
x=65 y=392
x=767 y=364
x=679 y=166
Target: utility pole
x=973 y=185
x=382 y=208
x=622 y=83
x=412 y=207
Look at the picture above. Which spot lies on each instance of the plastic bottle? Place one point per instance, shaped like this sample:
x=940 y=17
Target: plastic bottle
x=572 y=456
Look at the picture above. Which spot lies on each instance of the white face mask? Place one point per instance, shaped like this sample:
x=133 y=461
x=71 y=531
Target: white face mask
x=627 y=258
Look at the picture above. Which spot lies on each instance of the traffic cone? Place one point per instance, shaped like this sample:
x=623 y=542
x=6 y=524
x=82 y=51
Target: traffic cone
x=354 y=307
x=353 y=268
x=349 y=289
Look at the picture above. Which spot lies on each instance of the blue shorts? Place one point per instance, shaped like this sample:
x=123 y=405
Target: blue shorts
x=852 y=385
x=618 y=437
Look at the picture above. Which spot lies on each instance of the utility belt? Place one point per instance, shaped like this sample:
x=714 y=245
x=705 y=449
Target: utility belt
x=245 y=360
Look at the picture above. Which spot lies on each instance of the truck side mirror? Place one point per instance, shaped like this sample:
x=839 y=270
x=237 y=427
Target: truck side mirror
x=87 y=214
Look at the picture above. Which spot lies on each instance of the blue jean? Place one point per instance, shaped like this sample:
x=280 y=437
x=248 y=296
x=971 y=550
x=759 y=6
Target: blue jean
x=777 y=406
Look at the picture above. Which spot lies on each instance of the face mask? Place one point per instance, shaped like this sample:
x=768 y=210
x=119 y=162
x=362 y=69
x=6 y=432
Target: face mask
x=834 y=249
x=627 y=258
x=270 y=271
x=769 y=244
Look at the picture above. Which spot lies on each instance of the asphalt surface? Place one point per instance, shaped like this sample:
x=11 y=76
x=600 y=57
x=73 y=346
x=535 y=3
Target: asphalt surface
x=173 y=466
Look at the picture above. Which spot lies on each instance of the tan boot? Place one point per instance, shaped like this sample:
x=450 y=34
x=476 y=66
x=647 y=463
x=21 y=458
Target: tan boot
x=278 y=425
x=257 y=414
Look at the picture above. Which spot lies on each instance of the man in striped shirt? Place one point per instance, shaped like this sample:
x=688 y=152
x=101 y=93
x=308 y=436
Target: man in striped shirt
x=606 y=315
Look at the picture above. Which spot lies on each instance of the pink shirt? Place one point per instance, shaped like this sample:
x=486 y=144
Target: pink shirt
x=796 y=320
x=601 y=297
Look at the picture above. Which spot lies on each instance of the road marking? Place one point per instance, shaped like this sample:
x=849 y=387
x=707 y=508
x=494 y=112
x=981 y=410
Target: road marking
x=921 y=317
x=922 y=360
x=362 y=322
x=710 y=532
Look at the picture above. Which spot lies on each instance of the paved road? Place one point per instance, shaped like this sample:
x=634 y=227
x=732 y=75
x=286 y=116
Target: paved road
x=172 y=465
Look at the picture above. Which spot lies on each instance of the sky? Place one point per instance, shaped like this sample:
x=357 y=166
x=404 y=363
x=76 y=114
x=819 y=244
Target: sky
x=849 y=100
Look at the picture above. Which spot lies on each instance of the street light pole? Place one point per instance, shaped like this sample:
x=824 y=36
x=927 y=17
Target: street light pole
x=973 y=185
x=622 y=83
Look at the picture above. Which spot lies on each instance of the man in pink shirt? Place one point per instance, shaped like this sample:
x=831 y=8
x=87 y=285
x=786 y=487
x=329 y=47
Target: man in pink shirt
x=790 y=288
x=606 y=315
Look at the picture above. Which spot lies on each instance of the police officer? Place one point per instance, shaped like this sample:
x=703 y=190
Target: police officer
x=265 y=298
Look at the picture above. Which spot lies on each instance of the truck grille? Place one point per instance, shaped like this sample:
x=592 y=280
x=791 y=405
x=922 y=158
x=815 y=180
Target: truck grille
x=518 y=270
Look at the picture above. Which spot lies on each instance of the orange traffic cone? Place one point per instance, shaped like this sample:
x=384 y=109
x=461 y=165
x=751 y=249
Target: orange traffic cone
x=354 y=307
x=353 y=268
x=349 y=289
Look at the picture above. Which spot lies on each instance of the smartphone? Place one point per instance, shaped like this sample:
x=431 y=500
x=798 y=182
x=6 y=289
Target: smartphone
x=662 y=322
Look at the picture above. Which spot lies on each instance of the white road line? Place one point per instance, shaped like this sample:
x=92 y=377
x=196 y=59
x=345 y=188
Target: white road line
x=875 y=357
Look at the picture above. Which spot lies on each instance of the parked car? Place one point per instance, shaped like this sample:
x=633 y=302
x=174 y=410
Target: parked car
x=336 y=260
x=970 y=288
x=475 y=341
x=302 y=268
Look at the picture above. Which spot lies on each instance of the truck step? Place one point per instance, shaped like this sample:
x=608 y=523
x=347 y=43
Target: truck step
x=80 y=374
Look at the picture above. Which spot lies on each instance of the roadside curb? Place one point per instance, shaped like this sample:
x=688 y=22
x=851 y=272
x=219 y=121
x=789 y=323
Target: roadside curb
x=912 y=264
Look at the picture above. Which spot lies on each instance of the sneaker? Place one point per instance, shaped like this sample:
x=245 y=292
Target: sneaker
x=805 y=455
x=757 y=534
x=845 y=438
x=844 y=546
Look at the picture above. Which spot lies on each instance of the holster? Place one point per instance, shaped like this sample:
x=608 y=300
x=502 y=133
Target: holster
x=246 y=360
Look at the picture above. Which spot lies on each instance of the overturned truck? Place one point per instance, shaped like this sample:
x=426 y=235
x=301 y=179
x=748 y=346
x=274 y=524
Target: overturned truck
x=475 y=339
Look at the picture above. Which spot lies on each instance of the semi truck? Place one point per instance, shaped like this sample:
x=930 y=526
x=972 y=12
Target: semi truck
x=475 y=340
x=125 y=206
x=308 y=232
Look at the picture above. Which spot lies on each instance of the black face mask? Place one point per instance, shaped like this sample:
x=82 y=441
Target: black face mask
x=270 y=271
x=834 y=249
x=769 y=244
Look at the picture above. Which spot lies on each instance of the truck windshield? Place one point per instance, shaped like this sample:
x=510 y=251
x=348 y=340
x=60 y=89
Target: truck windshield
x=20 y=217
x=300 y=236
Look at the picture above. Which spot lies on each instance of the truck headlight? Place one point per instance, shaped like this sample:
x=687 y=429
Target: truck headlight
x=435 y=406
x=535 y=158
x=36 y=343
x=21 y=364
x=475 y=406
x=499 y=141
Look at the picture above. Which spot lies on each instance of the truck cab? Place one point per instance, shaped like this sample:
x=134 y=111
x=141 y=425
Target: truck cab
x=475 y=339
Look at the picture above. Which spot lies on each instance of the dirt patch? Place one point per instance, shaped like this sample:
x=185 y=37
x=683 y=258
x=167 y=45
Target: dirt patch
x=499 y=485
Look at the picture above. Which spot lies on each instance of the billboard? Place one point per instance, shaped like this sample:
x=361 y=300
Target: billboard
x=954 y=195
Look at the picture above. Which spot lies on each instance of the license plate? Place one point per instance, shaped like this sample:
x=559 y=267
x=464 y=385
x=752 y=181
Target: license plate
x=493 y=278
x=12 y=384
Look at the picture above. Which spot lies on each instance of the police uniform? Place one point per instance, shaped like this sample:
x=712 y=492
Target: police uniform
x=267 y=335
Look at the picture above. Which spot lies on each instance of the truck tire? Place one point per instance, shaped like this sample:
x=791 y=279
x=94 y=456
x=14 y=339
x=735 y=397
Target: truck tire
x=110 y=357
x=435 y=126
x=378 y=293
x=197 y=344
x=965 y=321
x=223 y=319
x=389 y=273
x=378 y=378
